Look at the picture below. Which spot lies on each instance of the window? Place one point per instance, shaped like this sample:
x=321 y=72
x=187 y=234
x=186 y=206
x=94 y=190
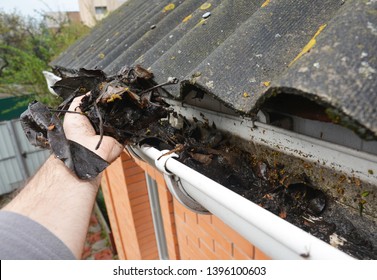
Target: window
x=100 y=10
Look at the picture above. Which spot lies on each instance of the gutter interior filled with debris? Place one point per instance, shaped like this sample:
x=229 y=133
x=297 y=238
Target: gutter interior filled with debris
x=129 y=107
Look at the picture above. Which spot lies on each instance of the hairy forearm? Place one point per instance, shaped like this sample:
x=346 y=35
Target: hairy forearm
x=59 y=201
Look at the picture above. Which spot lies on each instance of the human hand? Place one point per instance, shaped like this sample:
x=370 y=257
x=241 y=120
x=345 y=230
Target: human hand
x=79 y=129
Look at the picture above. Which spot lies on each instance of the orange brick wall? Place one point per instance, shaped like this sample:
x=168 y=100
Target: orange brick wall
x=127 y=201
x=207 y=237
x=189 y=235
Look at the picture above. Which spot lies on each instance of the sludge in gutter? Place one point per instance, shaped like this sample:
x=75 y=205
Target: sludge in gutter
x=129 y=107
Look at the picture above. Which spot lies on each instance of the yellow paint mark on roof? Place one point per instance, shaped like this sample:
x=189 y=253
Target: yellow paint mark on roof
x=309 y=45
x=101 y=55
x=201 y=22
x=186 y=19
x=205 y=6
x=169 y=7
x=265 y=3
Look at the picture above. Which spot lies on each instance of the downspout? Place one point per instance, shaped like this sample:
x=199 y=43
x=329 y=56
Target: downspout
x=271 y=234
x=157 y=218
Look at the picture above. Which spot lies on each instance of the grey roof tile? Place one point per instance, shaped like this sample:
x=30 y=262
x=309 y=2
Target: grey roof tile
x=341 y=69
x=243 y=47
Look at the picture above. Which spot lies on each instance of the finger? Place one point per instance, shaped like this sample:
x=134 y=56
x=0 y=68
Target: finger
x=75 y=104
x=77 y=124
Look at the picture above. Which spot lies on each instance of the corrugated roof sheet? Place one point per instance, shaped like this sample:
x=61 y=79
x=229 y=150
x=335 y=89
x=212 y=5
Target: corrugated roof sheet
x=246 y=51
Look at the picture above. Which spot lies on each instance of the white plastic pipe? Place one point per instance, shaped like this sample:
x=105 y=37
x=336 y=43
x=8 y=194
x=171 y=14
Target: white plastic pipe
x=271 y=234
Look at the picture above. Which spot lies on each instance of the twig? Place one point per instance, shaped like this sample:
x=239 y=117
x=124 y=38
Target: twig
x=66 y=111
x=170 y=81
x=178 y=148
x=100 y=125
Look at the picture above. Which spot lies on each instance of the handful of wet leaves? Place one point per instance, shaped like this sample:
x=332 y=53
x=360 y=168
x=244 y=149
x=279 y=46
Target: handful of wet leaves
x=122 y=106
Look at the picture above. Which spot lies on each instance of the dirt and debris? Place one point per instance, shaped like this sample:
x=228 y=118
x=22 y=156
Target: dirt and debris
x=129 y=107
x=122 y=106
x=218 y=156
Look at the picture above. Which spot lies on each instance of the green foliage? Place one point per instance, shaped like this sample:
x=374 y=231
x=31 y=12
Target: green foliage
x=26 y=48
x=22 y=66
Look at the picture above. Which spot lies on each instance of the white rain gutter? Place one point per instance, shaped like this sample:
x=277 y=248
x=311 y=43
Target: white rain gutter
x=271 y=234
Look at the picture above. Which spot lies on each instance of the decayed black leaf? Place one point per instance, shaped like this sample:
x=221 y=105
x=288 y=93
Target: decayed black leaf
x=125 y=105
x=58 y=141
x=87 y=164
x=122 y=106
x=45 y=129
x=307 y=198
x=35 y=121
x=85 y=81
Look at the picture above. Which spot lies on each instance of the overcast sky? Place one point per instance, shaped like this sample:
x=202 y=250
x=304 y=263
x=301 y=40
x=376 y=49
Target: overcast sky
x=29 y=7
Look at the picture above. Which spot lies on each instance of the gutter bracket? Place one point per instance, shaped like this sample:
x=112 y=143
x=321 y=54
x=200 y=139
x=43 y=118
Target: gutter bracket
x=131 y=150
x=176 y=188
x=174 y=184
x=161 y=161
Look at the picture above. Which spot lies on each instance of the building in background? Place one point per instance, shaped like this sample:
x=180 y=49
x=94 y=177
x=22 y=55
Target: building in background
x=54 y=20
x=92 y=11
